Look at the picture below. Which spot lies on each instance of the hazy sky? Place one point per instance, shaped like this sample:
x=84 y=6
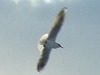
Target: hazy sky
x=22 y=22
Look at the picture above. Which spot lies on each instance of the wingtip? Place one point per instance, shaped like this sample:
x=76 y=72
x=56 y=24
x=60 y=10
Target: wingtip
x=38 y=71
x=65 y=8
x=40 y=66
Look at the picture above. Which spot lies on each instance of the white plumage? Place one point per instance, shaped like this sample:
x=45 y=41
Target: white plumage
x=47 y=41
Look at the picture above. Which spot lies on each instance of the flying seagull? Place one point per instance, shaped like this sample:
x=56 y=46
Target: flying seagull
x=47 y=41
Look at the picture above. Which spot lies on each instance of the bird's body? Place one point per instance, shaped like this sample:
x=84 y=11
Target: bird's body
x=47 y=41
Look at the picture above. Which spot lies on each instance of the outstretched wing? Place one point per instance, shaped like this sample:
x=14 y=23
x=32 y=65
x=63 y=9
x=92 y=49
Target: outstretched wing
x=57 y=24
x=44 y=56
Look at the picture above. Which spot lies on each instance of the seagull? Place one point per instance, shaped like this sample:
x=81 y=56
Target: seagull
x=48 y=42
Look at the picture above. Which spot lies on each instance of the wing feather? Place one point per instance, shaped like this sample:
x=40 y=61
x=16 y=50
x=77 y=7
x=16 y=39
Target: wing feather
x=57 y=25
x=44 y=56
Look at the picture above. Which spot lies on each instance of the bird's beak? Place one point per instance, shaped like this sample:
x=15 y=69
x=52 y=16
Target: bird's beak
x=62 y=47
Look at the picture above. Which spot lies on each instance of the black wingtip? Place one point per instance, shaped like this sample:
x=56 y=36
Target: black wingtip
x=64 y=7
x=38 y=69
x=40 y=66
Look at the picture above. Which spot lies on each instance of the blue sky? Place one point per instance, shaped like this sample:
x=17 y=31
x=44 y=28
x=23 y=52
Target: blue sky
x=22 y=22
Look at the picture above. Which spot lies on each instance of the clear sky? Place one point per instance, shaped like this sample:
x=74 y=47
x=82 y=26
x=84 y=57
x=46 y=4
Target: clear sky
x=22 y=22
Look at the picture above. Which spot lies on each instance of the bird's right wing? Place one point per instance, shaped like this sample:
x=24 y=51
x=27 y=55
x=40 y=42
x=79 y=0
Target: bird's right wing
x=57 y=24
x=44 y=56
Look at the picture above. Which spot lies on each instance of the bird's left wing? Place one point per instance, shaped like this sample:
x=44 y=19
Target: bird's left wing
x=44 y=56
x=57 y=24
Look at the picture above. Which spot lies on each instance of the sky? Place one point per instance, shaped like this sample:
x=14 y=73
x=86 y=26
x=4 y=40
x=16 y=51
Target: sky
x=22 y=22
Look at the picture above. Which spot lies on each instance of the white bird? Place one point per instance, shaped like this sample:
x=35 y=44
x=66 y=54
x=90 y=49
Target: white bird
x=47 y=41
